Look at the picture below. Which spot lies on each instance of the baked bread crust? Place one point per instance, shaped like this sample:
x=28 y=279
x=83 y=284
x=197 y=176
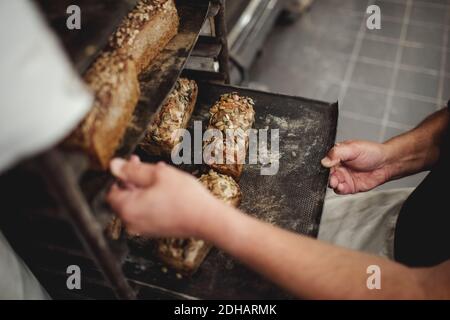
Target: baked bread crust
x=186 y=255
x=162 y=135
x=146 y=31
x=114 y=228
x=113 y=80
x=222 y=187
x=235 y=113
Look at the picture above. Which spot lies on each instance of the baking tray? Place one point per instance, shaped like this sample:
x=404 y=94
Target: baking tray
x=291 y=199
x=52 y=236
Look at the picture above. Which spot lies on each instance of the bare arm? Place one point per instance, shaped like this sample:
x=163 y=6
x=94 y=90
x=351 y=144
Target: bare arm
x=358 y=166
x=418 y=149
x=315 y=270
x=306 y=267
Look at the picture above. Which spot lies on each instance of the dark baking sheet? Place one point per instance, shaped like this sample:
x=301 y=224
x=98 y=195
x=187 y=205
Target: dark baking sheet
x=291 y=199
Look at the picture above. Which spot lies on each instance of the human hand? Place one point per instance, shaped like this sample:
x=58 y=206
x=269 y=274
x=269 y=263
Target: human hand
x=357 y=166
x=159 y=200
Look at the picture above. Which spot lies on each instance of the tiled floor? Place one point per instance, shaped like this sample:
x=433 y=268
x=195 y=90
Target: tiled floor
x=386 y=81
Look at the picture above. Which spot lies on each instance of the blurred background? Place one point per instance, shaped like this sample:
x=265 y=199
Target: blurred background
x=386 y=81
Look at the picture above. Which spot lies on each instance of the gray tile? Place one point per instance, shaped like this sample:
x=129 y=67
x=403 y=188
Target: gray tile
x=425 y=34
x=336 y=42
x=354 y=5
x=370 y=74
x=340 y=22
x=286 y=81
x=447 y=63
x=378 y=50
x=349 y=129
x=327 y=91
x=417 y=83
x=428 y=14
x=446 y=92
x=423 y=56
x=389 y=29
x=316 y=64
x=365 y=102
x=324 y=15
x=410 y=112
x=391 y=9
x=435 y=2
x=392 y=132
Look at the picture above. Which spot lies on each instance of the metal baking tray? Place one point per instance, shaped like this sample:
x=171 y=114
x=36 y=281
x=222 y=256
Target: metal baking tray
x=291 y=199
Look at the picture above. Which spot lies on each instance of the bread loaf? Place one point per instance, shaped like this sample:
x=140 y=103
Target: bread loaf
x=230 y=112
x=222 y=187
x=146 y=31
x=186 y=255
x=113 y=80
x=162 y=135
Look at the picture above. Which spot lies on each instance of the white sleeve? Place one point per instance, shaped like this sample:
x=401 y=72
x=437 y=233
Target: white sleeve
x=42 y=97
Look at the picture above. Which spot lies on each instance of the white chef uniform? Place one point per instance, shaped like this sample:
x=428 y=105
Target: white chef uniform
x=42 y=99
x=364 y=221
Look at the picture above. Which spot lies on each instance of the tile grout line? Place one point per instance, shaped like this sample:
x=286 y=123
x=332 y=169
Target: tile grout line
x=401 y=66
x=394 y=78
x=444 y=61
x=376 y=121
x=408 y=44
x=353 y=57
x=386 y=63
x=422 y=3
x=405 y=43
x=383 y=39
x=381 y=90
x=387 y=17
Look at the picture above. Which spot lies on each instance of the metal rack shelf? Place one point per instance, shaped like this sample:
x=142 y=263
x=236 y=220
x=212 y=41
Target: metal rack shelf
x=75 y=204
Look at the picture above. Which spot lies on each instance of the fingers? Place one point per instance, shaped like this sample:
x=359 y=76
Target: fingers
x=117 y=197
x=123 y=202
x=341 y=181
x=134 y=172
x=334 y=182
x=340 y=153
x=134 y=158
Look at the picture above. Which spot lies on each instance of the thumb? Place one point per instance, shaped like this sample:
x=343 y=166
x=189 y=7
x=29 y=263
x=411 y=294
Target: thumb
x=136 y=173
x=340 y=153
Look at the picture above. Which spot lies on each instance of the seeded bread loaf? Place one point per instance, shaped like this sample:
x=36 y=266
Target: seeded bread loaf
x=186 y=255
x=146 y=30
x=113 y=80
x=222 y=187
x=162 y=135
x=234 y=113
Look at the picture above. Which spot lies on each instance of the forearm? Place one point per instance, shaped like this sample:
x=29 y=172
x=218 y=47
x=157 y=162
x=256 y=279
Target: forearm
x=306 y=267
x=418 y=149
